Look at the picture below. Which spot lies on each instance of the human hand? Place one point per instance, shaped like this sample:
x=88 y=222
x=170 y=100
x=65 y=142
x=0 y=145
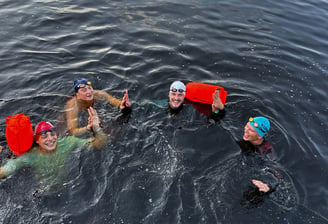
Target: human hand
x=0 y=148
x=125 y=101
x=93 y=120
x=217 y=103
x=89 y=125
x=262 y=186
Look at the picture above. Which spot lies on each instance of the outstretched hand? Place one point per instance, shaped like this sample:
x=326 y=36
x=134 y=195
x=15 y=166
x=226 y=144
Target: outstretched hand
x=262 y=186
x=93 y=120
x=125 y=101
x=217 y=103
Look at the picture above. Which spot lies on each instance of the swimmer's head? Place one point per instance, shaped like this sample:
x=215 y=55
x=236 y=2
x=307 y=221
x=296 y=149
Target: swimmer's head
x=42 y=128
x=46 y=137
x=176 y=95
x=178 y=86
x=80 y=83
x=260 y=124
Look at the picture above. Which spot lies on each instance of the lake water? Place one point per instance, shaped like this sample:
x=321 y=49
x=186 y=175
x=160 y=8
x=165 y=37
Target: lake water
x=271 y=57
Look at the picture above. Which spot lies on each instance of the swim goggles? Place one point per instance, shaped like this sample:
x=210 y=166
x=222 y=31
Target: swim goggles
x=177 y=90
x=257 y=125
x=43 y=132
x=84 y=85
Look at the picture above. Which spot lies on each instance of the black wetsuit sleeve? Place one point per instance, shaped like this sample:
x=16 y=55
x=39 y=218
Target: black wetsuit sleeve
x=217 y=116
x=271 y=180
x=272 y=187
x=126 y=110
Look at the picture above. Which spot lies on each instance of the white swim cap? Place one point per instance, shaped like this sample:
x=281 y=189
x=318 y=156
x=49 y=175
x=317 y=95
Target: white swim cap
x=178 y=86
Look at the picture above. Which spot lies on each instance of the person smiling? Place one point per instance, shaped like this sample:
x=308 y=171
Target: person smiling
x=253 y=138
x=254 y=142
x=49 y=154
x=177 y=95
x=85 y=97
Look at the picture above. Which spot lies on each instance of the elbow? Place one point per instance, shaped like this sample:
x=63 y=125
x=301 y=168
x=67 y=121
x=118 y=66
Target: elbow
x=98 y=145
x=2 y=173
x=100 y=140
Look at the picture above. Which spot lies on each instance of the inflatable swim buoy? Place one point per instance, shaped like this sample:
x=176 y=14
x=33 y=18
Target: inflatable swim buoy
x=202 y=93
x=19 y=133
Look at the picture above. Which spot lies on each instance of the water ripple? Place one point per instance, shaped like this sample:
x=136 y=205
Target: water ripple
x=271 y=57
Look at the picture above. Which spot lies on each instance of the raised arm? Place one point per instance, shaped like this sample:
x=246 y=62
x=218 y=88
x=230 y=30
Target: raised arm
x=125 y=104
x=218 y=111
x=104 y=95
x=217 y=103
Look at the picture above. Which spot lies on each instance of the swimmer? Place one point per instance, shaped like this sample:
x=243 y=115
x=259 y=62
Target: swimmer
x=85 y=97
x=255 y=130
x=253 y=141
x=50 y=153
x=177 y=95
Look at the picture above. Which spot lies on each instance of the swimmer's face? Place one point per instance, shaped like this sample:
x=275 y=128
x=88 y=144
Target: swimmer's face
x=176 y=99
x=85 y=93
x=250 y=134
x=48 y=141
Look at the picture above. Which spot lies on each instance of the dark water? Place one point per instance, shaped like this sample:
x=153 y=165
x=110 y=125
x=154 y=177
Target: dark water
x=270 y=56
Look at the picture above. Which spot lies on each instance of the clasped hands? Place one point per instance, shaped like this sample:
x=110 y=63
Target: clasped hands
x=125 y=101
x=93 y=120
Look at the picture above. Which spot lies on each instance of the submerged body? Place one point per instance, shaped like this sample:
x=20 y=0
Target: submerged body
x=47 y=166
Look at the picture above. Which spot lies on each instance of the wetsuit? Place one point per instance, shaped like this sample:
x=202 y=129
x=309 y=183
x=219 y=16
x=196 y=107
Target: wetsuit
x=186 y=109
x=261 y=155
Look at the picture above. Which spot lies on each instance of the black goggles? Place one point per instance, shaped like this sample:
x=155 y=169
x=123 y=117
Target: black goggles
x=43 y=132
x=177 y=90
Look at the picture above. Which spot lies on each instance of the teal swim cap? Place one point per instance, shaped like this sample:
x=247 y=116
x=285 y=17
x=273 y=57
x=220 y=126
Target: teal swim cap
x=260 y=124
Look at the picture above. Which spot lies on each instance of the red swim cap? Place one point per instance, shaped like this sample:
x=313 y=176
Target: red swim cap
x=41 y=126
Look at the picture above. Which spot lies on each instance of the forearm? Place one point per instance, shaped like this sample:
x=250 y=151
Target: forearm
x=72 y=125
x=109 y=98
x=114 y=101
x=79 y=131
x=218 y=106
x=99 y=139
x=72 y=120
x=218 y=115
x=126 y=110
